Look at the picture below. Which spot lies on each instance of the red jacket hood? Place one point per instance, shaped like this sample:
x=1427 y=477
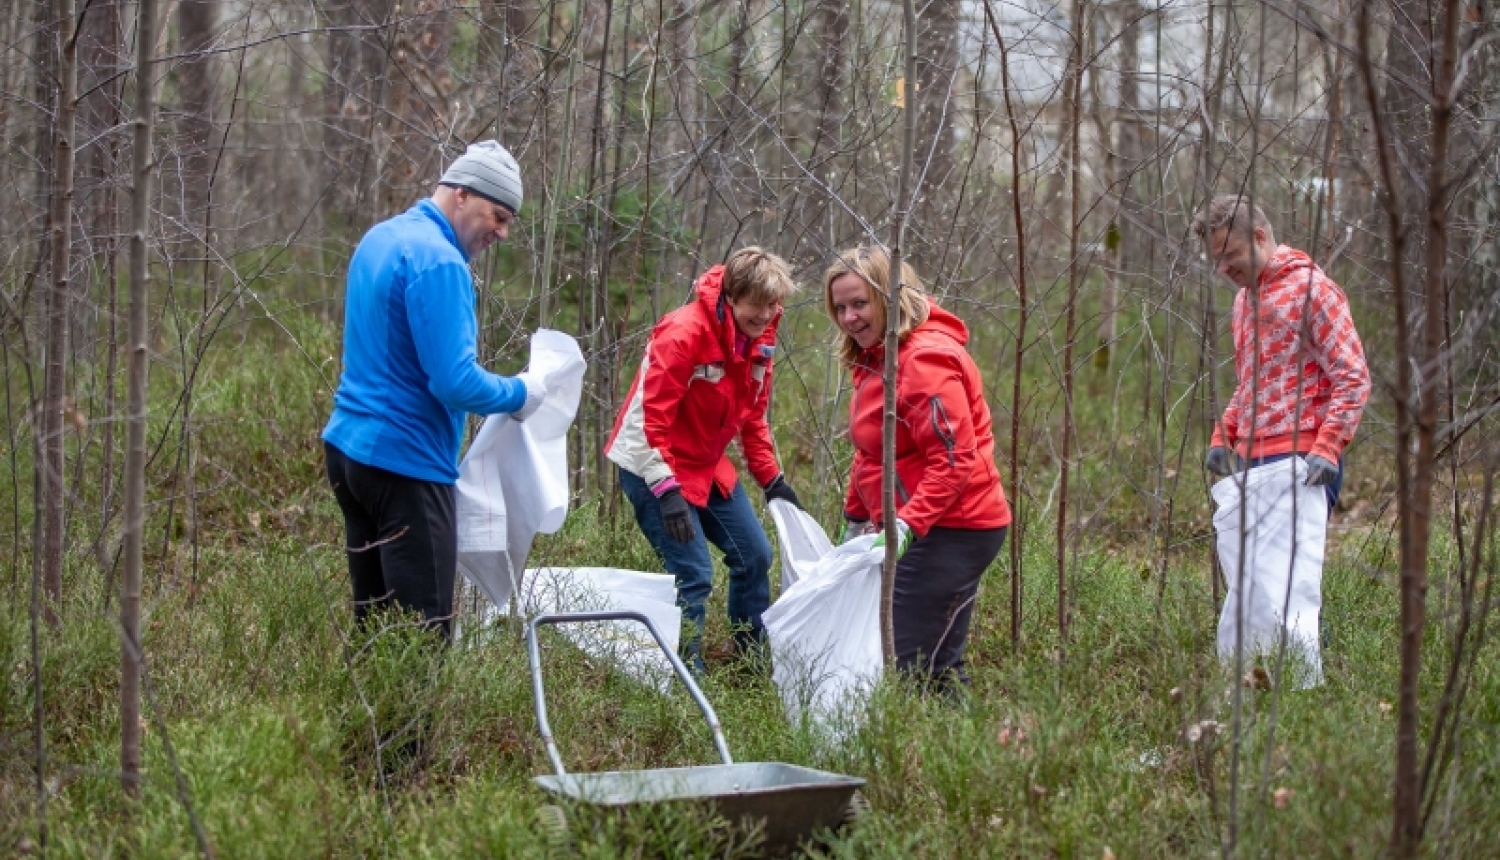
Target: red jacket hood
x=1285 y=261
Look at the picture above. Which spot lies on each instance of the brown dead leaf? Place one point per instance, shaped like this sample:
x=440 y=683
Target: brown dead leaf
x=1258 y=679
x=1282 y=796
x=1107 y=855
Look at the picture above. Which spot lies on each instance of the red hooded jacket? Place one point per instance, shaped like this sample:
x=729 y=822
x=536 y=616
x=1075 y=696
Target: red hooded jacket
x=1301 y=385
x=693 y=395
x=945 y=449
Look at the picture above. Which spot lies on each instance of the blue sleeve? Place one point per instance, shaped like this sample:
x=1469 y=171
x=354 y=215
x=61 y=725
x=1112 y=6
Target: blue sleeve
x=440 y=310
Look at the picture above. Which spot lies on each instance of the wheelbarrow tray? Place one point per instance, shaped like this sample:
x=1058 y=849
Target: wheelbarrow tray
x=790 y=802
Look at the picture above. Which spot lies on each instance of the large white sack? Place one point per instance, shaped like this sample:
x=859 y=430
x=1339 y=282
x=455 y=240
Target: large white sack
x=1276 y=586
x=802 y=540
x=625 y=644
x=513 y=482
x=825 y=628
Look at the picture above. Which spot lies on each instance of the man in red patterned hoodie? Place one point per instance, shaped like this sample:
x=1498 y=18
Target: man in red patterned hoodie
x=1301 y=377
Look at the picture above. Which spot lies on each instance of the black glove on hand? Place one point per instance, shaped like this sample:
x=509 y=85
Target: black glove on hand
x=1320 y=472
x=1219 y=461
x=676 y=516
x=780 y=489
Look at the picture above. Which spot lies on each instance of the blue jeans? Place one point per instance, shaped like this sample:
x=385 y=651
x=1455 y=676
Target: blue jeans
x=1332 y=490
x=730 y=524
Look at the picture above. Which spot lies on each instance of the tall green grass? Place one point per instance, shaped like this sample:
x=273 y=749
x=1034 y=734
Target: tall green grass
x=296 y=737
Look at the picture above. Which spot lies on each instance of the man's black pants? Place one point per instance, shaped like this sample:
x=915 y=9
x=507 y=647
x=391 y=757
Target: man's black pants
x=937 y=581
x=401 y=538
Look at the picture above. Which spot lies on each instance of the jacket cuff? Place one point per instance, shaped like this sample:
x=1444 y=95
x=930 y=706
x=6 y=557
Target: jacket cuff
x=1328 y=449
x=664 y=486
x=919 y=527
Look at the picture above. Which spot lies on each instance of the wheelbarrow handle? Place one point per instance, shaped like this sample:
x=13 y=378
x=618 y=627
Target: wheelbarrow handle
x=534 y=657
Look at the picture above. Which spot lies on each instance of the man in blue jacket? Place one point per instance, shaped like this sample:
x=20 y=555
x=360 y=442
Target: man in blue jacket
x=411 y=375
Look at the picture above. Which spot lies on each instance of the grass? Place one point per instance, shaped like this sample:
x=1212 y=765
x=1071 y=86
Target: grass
x=275 y=716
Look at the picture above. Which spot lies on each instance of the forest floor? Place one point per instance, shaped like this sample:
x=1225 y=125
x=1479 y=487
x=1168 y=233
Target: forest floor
x=261 y=714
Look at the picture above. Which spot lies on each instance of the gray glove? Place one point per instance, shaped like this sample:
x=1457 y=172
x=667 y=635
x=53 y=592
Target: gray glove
x=853 y=529
x=1219 y=461
x=1320 y=472
x=536 y=392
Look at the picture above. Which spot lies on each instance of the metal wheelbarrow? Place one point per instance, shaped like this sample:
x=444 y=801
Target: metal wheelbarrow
x=789 y=803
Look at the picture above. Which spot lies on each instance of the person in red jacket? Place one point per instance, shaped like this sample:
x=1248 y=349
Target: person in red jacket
x=705 y=381
x=948 y=494
x=1301 y=377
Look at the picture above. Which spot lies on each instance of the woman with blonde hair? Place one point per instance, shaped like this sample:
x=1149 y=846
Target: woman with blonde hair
x=949 y=503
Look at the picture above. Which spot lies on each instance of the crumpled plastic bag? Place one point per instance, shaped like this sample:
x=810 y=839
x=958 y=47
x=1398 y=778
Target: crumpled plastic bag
x=626 y=645
x=1276 y=585
x=513 y=482
x=802 y=540
x=825 y=628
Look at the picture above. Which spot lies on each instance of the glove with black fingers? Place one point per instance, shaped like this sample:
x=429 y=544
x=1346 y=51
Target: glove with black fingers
x=854 y=529
x=1320 y=472
x=676 y=516
x=536 y=392
x=1219 y=461
x=780 y=489
x=903 y=538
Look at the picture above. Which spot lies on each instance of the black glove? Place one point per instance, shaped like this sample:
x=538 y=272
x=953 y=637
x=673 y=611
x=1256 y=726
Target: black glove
x=1320 y=472
x=1219 y=461
x=780 y=489
x=676 y=516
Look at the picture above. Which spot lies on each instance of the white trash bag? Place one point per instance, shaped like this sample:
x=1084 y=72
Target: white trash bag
x=627 y=645
x=825 y=627
x=1276 y=587
x=802 y=540
x=513 y=482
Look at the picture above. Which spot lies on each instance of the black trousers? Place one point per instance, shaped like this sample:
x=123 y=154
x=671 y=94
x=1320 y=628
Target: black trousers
x=937 y=581
x=401 y=538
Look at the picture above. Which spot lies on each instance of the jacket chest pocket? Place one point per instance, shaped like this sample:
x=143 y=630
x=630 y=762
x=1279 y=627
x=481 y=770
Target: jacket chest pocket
x=713 y=395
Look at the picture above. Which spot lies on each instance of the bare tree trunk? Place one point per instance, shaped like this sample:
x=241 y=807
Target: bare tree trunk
x=831 y=33
x=58 y=300
x=1075 y=214
x=1123 y=239
x=893 y=343
x=596 y=250
x=937 y=65
x=135 y=432
x=1017 y=528
x=1417 y=471
x=417 y=103
x=560 y=180
x=196 y=22
x=100 y=106
x=357 y=63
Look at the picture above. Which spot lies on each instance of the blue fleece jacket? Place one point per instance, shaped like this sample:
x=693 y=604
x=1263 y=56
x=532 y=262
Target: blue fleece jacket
x=411 y=369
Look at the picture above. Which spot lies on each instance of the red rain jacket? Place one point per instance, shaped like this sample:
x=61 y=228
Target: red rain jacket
x=1328 y=371
x=945 y=449
x=693 y=394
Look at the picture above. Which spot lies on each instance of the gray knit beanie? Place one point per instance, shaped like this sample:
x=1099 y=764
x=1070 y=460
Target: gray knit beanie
x=489 y=170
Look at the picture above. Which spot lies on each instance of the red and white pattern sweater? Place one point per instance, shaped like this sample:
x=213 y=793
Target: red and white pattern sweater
x=1273 y=365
